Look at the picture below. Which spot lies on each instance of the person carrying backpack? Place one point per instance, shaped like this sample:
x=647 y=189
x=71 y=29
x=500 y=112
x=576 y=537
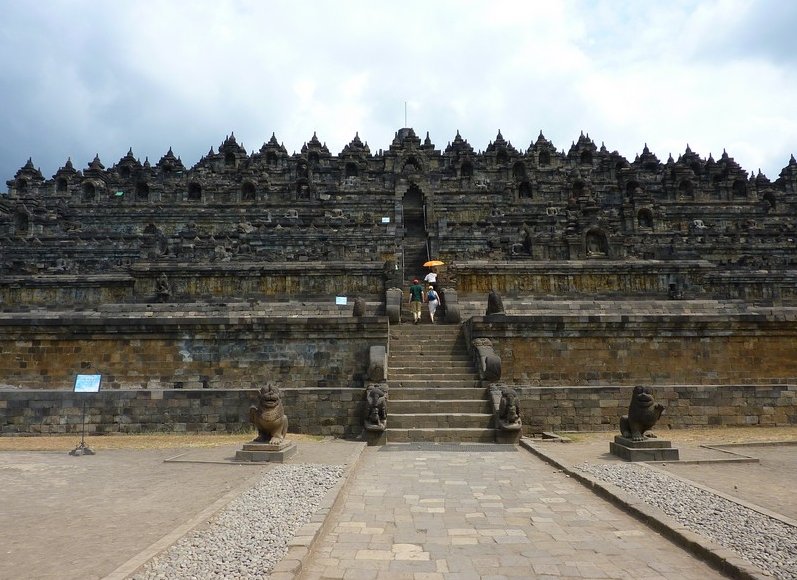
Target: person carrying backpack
x=433 y=300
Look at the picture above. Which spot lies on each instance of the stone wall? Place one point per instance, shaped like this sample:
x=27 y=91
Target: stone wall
x=593 y=348
x=190 y=282
x=189 y=349
x=569 y=408
x=338 y=412
x=318 y=411
x=649 y=279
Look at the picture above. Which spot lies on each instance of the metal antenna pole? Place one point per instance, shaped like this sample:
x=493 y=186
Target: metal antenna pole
x=405 y=113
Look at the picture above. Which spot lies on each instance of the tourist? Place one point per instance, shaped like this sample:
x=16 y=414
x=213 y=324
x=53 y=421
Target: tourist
x=431 y=278
x=416 y=298
x=433 y=299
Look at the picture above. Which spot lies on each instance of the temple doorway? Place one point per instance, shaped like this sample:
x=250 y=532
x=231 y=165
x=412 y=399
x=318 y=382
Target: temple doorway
x=414 y=244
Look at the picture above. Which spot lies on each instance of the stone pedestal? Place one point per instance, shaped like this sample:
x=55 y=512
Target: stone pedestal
x=508 y=436
x=275 y=453
x=375 y=438
x=647 y=450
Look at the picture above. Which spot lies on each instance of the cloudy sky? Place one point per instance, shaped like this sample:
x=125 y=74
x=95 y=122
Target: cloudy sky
x=82 y=77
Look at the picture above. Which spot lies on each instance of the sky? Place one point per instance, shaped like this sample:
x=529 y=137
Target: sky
x=81 y=78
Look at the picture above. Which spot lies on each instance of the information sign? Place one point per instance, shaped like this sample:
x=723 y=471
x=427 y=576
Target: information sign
x=87 y=383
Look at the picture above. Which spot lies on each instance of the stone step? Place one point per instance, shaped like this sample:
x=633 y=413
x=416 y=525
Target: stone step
x=426 y=330
x=439 y=420
x=405 y=309
x=399 y=393
x=435 y=393
x=402 y=330
x=420 y=337
x=399 y=355
x=413 y=364
x=454 y=342
x=422 y=367
x=410 y=406
x=434 y=384
x=416 y=366
x=429 y=338
x=474 y=435
x=422 y=360
x=416 y=359
x=439 y=374
x=409 y=349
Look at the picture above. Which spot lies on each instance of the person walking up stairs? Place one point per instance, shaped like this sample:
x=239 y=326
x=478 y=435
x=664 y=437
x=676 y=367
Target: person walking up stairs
x=416 y=299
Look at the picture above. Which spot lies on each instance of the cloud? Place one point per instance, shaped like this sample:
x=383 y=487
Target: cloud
x=84 y=77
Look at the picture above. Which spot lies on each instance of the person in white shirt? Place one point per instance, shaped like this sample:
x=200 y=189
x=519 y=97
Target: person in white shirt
x=431 y=278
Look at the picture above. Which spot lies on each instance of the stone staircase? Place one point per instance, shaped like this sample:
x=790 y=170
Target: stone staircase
x=435 y=394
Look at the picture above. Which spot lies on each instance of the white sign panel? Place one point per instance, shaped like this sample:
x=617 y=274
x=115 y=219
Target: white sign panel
x=87 y=383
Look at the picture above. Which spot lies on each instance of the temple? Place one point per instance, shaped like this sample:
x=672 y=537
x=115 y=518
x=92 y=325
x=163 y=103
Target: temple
x=228 y=274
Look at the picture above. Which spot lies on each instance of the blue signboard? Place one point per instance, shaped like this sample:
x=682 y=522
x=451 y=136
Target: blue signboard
x=87 y=383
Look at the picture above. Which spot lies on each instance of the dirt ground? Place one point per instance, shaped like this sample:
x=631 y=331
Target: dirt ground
x=709 y=436
x=209 y=440
x=143 y=441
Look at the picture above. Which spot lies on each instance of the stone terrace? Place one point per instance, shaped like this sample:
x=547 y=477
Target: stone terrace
x=678 y=274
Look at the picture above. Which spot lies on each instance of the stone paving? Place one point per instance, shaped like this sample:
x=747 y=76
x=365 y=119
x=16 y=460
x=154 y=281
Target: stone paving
x=425 y=513
x=406 y=511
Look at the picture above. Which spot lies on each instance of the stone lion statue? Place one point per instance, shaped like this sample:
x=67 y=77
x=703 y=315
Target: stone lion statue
x=509 y=410
x=643 y=414
x=376 y=407
x=268 y=416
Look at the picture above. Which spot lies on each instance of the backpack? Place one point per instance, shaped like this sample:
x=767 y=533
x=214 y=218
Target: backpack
x=431 y=296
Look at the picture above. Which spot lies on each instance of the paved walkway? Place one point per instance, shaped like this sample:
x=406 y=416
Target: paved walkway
x=419 y=512
x=441 y=513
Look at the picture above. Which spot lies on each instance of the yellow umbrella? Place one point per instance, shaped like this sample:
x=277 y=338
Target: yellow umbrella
x=432 y=263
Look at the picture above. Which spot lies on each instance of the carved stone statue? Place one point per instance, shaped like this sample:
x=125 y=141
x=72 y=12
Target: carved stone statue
x=163 y=288
x=391 y=274
x=494 y=303
x=643 y=414
x=376 y=407
x=269 y=417
x=487 y=360
x=509 y=410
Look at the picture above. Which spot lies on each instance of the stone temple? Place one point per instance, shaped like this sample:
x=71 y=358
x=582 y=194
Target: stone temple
x=188 y=288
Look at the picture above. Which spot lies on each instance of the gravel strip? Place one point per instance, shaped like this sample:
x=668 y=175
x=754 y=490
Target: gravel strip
x=767 y=543
x=248 y=537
